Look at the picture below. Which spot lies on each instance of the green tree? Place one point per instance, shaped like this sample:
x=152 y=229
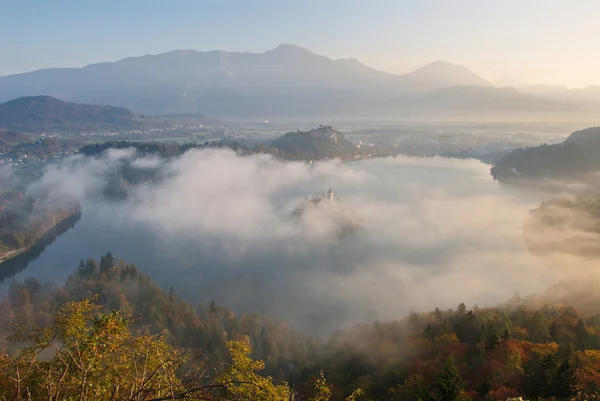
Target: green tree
x=448 y=385
x=540 y=382
x=564 y=380
x=581 y=336
x=107 y=262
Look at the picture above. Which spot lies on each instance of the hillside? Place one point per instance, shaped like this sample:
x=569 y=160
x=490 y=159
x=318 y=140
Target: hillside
x=44 y=113
x=287 y=81
x=323 y=142
x=25 y=219
x=37 y=114
x=8 y=138
x=320 y=143
x=484 y=353
x=576 y=158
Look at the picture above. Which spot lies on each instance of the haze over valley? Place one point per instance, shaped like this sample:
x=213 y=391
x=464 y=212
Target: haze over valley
x=292 y=82
x=324 y=211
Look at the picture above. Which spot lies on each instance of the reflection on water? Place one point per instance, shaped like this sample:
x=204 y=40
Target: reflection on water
x=18 y=263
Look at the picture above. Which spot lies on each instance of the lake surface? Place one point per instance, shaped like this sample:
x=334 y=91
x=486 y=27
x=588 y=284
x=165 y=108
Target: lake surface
x=436 y=232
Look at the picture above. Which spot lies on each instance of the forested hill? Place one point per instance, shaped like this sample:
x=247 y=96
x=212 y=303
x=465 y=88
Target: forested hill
x=119 y=285
x=37 y=114
x=575 y=158
x=516 y=349
x=321 y=143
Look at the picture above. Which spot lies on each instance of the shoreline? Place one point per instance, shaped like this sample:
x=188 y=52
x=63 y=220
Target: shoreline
x=6 y=257
x=11 y=254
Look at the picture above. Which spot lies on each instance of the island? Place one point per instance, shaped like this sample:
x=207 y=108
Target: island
x=345 y=222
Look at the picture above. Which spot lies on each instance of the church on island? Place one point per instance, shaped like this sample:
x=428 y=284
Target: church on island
x=330 y=197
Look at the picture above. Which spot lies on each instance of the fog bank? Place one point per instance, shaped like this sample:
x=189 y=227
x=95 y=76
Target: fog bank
x=436 y=232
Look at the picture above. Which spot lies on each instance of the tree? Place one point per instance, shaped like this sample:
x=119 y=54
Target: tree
x=564 y=380
x=492 y=341
x=322 y=390
x=448 y=385
x=413 y=388
x=540 y=382
x=107 y=262
x=553 y=332
x=96 y=356
x=581 y=336
x=242 y=380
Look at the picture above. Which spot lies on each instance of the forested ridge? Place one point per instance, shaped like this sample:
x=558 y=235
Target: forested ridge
x=323 y=142
x=573 y=159
x=24 y=219
x=514 y=349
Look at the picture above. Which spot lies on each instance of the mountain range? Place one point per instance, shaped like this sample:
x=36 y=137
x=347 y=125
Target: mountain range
x=288 y=81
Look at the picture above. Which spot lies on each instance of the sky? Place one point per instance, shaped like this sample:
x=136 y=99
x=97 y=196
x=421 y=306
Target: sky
x=535 y=41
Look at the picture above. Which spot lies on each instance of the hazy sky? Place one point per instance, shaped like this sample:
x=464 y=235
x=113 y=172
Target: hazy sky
x=537 y=41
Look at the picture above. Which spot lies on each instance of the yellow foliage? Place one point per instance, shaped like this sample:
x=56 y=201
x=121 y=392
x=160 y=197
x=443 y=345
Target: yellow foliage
x=96 y=356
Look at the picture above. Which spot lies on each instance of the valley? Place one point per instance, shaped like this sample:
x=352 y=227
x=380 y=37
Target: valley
x=299 y=201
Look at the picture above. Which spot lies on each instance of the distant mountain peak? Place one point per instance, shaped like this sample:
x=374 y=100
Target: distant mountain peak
x=509 y=80
x=448 y=74
x=442 y=65
x=288 y=48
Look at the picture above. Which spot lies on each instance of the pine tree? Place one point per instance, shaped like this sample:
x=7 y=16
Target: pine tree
x=107 y=262
x=492 y=341
x=581 y=336
x=564 y=380
x=448 y=385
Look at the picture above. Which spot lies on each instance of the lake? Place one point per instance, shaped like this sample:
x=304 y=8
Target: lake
x=436 y=232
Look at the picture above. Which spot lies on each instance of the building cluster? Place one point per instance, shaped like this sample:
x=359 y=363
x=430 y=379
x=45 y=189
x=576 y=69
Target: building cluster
x=449 y=143
x=131 y=132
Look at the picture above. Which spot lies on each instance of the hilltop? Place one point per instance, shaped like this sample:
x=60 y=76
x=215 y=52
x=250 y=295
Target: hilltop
x=319 y=143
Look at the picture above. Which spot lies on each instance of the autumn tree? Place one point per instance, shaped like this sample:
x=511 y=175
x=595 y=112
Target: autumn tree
x=86 y=355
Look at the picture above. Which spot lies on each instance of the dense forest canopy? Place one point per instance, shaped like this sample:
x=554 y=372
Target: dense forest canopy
x=515 y=349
